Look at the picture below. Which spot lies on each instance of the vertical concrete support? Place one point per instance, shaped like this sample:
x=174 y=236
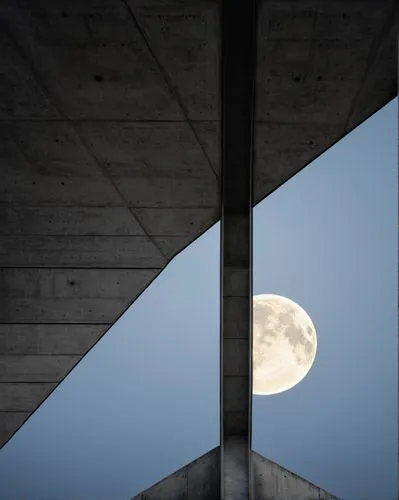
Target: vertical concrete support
x=238 y=57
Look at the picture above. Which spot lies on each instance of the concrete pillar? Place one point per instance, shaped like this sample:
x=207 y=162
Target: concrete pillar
x=238 y=63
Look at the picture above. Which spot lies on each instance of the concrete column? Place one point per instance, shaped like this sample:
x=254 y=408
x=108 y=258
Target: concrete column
x=238 y=57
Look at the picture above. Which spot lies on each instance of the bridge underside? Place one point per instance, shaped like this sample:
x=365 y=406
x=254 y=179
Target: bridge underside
x=110 y=157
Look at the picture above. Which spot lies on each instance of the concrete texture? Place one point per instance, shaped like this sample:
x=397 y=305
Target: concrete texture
x=199 y=480
x=273 y=482
x=109 y=151
x=238 y=77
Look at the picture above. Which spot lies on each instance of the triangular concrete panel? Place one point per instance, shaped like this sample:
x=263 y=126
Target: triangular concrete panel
x=273 y=482
x=200 y=480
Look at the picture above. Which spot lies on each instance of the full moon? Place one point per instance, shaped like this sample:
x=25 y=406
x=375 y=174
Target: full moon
x=284 y=344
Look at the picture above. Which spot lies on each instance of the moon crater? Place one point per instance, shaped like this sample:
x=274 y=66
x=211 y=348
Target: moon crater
x=284 y=344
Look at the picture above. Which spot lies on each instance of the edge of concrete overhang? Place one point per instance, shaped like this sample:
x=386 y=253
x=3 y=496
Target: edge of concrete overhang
x=199 y=480
x=178 y=253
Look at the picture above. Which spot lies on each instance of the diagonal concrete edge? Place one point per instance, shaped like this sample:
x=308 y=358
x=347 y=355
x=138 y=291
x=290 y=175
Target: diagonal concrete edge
x=271 y=480
x=197 y=480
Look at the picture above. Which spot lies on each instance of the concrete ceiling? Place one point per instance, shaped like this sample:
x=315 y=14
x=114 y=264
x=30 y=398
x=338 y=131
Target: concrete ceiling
x=109 y=150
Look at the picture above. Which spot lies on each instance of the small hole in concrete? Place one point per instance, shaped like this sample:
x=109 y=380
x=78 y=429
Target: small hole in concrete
x=72 y=283
x=57 y=140
x=64 y=14
x=33 y=182
x=98 y=78
x=320 y=77
x=62 y=183
x=297 y=78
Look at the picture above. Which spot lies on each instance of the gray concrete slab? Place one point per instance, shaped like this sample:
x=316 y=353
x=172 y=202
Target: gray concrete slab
x=73 y=311
x=199 y=480
x=114 y=106
x=170 y=246
x=76 y=221
x=84 y=251
x=42 y=339
x=23 y=397
x=30 y=189
x=10 y=421
x=83 y=76
x=31 y=283
x=164 y=221
x=171 y=191
x=36 y=368
x=148 y=148
x=273 y=482
x=333 y=53
x=194 y=69
x=236 y=464
x=208 y=133
x=26 y=97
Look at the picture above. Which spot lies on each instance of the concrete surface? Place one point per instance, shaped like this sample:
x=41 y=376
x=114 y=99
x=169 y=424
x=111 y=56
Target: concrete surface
x=273 y=482
x=109 y=150
x=199 y=480
x=238 y=78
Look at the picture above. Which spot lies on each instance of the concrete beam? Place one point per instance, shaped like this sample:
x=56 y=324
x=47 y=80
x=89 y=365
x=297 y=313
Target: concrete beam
x=110 y=140
x=238 y=63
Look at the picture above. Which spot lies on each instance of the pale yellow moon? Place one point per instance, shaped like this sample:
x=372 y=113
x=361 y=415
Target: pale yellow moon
x=284 y=344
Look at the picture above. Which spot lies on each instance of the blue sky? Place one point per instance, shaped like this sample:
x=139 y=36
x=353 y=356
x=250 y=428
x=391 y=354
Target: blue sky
x=145 y=399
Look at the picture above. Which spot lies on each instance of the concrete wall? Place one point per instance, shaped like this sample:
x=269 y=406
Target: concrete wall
x=110 y=151
x=199 y=480
x=273 y=482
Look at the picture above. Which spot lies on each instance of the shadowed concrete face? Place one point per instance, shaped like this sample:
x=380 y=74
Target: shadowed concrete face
x=273 y=482
x=238 y=62
x=199 y=480
x=109 y=151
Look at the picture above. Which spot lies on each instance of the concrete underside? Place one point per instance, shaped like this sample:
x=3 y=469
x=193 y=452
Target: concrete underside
x=109 y=150
x=199 y=480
